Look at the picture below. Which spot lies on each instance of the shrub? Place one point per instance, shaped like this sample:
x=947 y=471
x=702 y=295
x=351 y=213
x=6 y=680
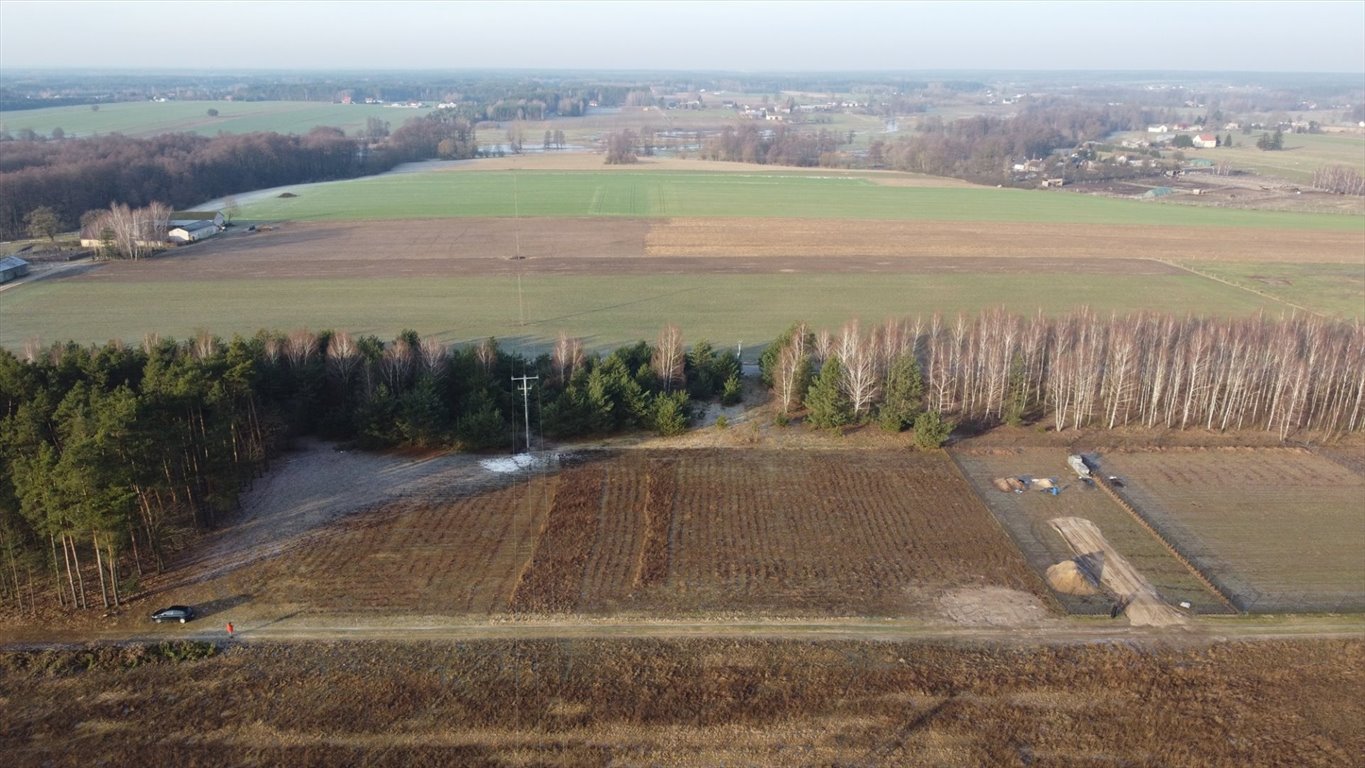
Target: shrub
x=932 y=430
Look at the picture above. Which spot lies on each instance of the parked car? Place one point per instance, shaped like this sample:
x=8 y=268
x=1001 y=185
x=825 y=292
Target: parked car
x=180 y=613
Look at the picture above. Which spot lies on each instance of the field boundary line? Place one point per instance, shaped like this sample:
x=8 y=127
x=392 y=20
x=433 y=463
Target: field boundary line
x=1142 y=520
x=1230 y=284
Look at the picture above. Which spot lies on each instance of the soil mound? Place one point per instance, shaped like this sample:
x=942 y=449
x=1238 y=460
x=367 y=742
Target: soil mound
x=1069 y=578
x=1009 y=484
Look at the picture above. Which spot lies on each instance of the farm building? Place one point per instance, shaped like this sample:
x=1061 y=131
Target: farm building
x=1205 y=141
x=12 y=268
x=195 y=232
x=184 y=218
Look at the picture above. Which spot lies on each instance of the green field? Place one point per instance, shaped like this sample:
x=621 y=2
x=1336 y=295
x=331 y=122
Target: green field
x=148 y=118
x=1335 y=290
x=683 y=194
x=606 y=312
x=1303 y=154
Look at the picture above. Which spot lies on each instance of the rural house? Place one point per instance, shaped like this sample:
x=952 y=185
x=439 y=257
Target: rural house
x=1205 y=141
x=195 y=232
x=12 y=268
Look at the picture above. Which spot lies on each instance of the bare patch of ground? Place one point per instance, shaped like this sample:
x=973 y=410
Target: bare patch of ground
x=300 y=503
x=992 y=607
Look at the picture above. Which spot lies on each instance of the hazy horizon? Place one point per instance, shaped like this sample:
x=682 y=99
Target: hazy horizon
x=1302 y=37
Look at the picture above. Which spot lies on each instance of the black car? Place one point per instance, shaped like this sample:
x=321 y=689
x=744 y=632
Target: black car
x=180 y=613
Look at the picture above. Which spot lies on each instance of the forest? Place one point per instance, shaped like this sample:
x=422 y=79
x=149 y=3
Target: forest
x=1302 y=375
x=113 y=456
x=74 y=176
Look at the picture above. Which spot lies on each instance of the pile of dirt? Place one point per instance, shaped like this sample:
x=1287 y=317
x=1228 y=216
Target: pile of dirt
x=1070 y=578
x=1009 y=484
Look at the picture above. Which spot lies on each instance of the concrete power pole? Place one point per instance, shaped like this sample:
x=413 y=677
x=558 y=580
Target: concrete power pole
x=526 y=403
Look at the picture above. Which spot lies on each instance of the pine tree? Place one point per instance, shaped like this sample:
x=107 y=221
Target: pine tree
x=829 y=406
x=904 y=394
x=932 y=430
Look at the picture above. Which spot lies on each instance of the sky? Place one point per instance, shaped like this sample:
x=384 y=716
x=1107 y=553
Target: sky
x=694 y=35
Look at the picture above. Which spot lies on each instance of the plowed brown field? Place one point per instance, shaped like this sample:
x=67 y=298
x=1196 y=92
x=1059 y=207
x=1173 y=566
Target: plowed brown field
x=459 y=246
x=649 y=532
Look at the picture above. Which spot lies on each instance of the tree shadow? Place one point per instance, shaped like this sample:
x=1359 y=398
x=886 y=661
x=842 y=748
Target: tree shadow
x=215 y=607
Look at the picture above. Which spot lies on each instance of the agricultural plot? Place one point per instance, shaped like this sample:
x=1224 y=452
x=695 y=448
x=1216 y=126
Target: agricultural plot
x=1026 y=516
x=435 y=194
x=765 y=532
x=1303 y=154
x=458 y=279
x=654 y=533
x=1278 y=529
x=1334 y=290
x=528 y=313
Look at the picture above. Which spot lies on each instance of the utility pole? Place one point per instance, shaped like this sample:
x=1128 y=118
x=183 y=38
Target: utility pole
x=526 y=403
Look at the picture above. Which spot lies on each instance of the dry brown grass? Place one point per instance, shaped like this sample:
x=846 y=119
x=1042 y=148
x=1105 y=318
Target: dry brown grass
x=699 y=702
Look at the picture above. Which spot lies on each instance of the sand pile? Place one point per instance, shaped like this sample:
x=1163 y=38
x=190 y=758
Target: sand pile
x=1010 y=484
x=1069 y=578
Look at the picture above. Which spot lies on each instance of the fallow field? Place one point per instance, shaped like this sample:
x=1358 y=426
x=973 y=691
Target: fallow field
x=689 y=703
x=1279 y=529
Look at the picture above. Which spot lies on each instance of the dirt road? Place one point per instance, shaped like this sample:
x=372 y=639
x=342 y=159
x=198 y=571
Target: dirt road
x=1051 y=631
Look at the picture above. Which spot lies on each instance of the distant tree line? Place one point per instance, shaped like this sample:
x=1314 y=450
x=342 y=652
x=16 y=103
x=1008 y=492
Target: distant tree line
x=778 y=145
x=73 y=176
x=1301 y=375
x=110 y=455
x=1341 y=179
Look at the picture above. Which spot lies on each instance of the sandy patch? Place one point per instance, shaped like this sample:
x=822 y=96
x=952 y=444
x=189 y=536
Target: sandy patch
x=992 y=607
